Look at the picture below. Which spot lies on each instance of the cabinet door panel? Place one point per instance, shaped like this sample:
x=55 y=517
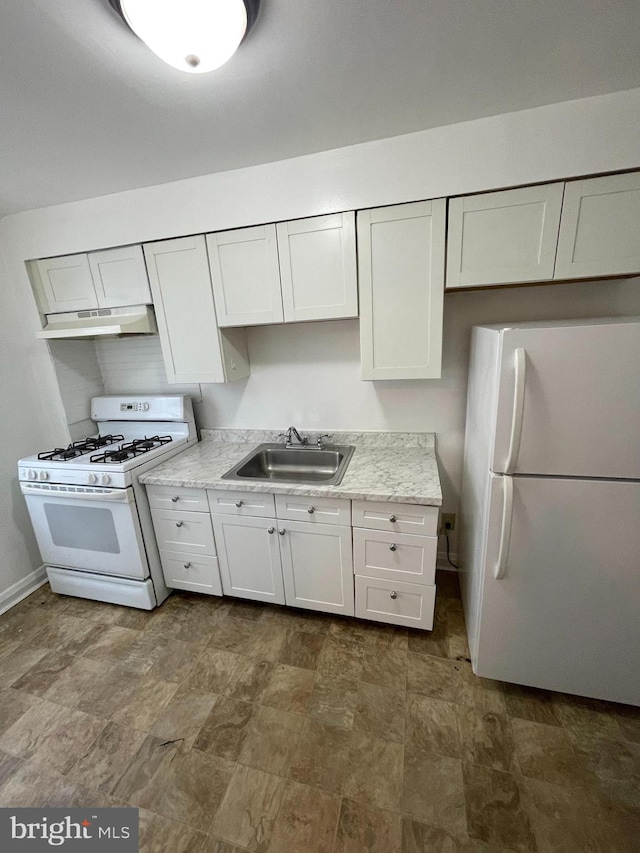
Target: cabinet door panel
x=246 y=276
x=318 y=267
x=120 y=277
x=250 y=565
x=67 y=283
x=401 y=281
x=317 y=566
x=395 y=602
x=503 y=237
x=600 y=227
x=192 y=346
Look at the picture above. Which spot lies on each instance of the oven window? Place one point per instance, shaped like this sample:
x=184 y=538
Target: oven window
x=84 y=527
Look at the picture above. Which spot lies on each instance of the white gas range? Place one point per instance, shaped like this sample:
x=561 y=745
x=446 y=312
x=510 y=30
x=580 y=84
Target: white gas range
x=90 y=513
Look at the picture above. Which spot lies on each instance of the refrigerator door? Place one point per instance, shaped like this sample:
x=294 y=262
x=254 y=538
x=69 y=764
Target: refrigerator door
x=569 y=401
x=561 y=611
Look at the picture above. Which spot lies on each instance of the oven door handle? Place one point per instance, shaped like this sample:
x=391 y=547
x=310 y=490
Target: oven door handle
x=119 y=495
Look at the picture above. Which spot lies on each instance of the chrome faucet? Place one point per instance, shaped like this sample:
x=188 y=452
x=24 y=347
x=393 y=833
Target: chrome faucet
x=292 y=433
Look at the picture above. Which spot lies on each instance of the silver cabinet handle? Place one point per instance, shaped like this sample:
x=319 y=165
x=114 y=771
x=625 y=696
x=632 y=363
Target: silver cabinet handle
x=238 y=503
x=394 y=594
x=311 y=510
x=179 y=523
x=271 y=530
x=392 y=547
x=392 y=518
x=187 y=565
x=282 y=531
x=175 y=499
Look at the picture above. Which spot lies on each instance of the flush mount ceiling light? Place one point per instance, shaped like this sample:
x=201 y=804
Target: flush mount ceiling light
x=191 y=35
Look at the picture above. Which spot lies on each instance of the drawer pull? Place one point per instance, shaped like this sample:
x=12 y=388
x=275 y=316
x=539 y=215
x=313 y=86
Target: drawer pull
x=282 y=531
x=175 y=499
x=394 y=594
x=179 y=523
x=271 y=530
x=392 y=519
x=187 y=565
x=311 y=510
x=392 y=547
x=239 y=503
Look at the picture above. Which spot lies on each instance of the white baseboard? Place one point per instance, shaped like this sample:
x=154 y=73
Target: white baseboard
x=22 y=589
x=444 y=564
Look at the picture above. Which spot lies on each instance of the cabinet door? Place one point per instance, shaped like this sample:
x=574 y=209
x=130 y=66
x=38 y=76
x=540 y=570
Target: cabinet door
x=249 y=557
x=318 y=267
x=246 y=276
x=194 y=349
x=317 y=566
x=600 y=227
x=401 y=274
x=120 y=277
x=503 y=237
x=67 y=283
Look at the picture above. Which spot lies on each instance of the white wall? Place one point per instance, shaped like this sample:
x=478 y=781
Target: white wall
x=21 y=432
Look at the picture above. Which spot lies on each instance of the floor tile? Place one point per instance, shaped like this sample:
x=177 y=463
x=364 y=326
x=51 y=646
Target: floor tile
x=302 y=649
x=13 y=704
x=321 y=757
x=16 y=660
x=112 y=645
x=364 y=828
x=432 y=726
x=184 y=716
x=233 y=635
x=386 y=666
x=486 y=738
x=161 y=657
x=102 y=765
x=628 y=719
x=615 y=767
x=147 y=771
x=447 y=584
x=159 y=835
x=289 y=688
x=483 y=694
x=271 y=740
x=528 y=703
x=212 y=671
x=8 y=767
x=145 y=705
x=433 y=676
x=34 y=786
x=68 y=634
x=225 y=729
x=546 y=752
x=249 y=808
x=380 y=711
x=214 y=845
x=249 y=610
x=46 y=671
x=333 y=701
x=347 y=628
x=306 y=821
x=294 y=619
x=435 y=642
x=110 y=691
x=585 y=718
x=81 y=678
x=433 y=791
x=249 y=679
x=495 y=811
x=341 y=657
x=374 y=771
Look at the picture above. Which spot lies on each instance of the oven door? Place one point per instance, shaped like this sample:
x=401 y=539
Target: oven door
x=87 y=528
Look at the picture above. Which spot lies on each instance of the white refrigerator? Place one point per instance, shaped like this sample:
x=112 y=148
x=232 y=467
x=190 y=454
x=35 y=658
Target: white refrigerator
x=550 y=508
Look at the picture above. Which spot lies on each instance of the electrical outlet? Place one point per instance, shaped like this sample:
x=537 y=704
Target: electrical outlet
x=447 y=522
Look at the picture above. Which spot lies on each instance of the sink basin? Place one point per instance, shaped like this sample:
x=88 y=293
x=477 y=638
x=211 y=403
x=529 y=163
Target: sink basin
x=275 y=462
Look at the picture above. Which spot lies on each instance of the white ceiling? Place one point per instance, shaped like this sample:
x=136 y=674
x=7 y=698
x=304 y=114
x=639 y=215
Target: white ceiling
x=86 y=109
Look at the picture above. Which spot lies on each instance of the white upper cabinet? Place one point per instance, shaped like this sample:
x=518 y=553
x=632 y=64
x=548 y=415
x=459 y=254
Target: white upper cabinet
x=194 y=349
x=401 y=255
x=318 y=267
x=503 y=237
x=113 y=278
x=246 y=276
x=600 y=228
x=120 y=277
x=67 y=284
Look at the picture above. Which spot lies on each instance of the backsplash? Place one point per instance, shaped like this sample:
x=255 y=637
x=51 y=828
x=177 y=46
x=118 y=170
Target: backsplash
x=364 y=439
x=134 y=365
x=79 y=378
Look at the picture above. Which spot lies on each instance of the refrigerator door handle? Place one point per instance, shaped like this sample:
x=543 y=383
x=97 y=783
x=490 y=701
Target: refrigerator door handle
x=520 y=374
x=505 y=530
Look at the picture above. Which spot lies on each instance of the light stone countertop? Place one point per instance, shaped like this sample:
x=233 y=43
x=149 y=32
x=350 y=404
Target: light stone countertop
x=395 y=472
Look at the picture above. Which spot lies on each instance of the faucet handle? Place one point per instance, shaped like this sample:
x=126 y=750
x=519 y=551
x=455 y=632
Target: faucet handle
x=319 y=439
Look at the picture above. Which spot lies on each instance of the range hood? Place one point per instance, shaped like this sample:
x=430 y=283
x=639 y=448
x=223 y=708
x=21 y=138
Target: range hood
x=101 y=322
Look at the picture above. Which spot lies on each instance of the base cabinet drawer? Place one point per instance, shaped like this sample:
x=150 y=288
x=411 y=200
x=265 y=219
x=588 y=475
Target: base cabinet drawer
x=176 y=497
x=241 y=503
x=197 y=574
x=184 y=532
x=395 y=517
x=394 y=556
x=395 y=603
x=314 y=510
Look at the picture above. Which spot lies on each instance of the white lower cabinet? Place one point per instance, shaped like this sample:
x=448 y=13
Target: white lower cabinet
x=317 y=566
x=395 y=602
x=249 y=556
x=197 y=574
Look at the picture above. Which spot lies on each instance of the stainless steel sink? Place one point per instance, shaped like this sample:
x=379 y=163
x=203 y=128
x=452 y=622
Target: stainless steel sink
x=275 y=462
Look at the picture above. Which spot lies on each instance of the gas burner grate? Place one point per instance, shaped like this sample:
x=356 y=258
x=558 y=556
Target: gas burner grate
x=131 y=449
x=78 y=448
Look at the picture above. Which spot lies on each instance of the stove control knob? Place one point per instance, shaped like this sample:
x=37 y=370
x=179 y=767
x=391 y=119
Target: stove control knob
x=43 y=475
x=105 y=479
x=92 y=478
x=31 y=474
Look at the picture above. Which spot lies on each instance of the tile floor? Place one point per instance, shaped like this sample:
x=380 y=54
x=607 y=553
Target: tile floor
x=242 y=727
